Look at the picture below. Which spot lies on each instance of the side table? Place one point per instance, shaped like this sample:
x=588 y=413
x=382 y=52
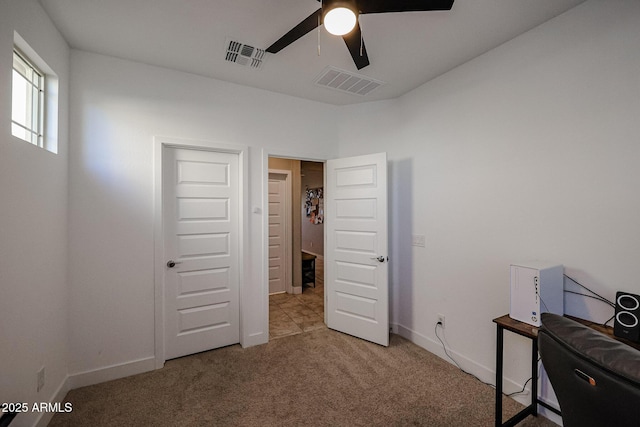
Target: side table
x=531 y=332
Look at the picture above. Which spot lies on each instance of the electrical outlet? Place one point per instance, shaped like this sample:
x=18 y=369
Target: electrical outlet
x=441 y=320
x=40 y=375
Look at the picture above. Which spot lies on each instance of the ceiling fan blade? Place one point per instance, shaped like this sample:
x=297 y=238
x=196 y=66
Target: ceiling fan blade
x=356 y=47
x=310 y=23
x=383 y=6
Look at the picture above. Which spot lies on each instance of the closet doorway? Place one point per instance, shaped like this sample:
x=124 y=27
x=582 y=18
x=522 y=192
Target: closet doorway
x=280 y=232
x=296 y=273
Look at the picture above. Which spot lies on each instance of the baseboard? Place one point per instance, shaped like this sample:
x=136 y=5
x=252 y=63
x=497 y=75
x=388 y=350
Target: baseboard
x=112 y=372
x=484 y=373
x=257 y=338
x=58 y=396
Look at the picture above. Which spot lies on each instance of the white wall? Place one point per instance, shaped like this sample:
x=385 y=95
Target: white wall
x=527 y=152
x=33 y=230
x=117 y=108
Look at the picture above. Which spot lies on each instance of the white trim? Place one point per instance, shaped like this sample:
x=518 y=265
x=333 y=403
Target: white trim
x=484 y=373
x=288 y=227
x=264 y=275
x=91 y=377
x=292 y=155
x=58 y=396
x=243 y=161
x=109 y=373
x=324 y=246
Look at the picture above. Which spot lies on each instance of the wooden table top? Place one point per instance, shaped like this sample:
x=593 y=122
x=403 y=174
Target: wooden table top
x=531 y=331
x=306 y=256
x=517 y=326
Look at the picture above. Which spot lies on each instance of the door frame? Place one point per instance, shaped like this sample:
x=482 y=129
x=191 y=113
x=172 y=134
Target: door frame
x=283 y=154
x=159 y=144
x=288 y=235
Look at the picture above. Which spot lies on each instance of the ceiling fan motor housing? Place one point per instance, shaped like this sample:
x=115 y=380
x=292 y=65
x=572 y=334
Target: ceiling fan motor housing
x=328 y=5
x=339 y=16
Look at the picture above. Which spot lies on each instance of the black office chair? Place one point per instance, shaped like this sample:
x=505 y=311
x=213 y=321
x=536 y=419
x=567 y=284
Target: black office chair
x=596 y=378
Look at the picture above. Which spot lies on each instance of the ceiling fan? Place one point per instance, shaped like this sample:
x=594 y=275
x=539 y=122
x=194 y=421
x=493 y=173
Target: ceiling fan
x=334 y=13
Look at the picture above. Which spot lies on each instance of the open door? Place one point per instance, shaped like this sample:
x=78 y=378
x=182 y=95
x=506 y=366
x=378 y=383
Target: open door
x=356 y=263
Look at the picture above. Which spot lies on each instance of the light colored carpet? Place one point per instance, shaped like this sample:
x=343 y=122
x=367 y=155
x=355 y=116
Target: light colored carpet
x=317 y=378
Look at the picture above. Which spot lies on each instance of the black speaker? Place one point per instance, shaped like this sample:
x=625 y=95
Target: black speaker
x=627 y=320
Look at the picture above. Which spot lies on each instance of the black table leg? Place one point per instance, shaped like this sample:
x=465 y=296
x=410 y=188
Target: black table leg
x=499 y=357
x=534 y=377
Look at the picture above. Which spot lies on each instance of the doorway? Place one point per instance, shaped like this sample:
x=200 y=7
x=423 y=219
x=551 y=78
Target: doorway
x=280 y=232
x=300 y=307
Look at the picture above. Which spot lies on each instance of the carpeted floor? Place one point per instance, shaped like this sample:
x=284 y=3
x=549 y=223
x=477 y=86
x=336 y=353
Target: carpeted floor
x=318 y=378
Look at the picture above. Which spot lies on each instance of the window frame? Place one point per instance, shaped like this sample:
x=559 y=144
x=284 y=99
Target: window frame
x=35 y=129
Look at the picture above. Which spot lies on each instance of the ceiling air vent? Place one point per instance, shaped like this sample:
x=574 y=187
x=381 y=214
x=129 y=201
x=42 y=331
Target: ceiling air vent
x=345 y=81
x=243 y=54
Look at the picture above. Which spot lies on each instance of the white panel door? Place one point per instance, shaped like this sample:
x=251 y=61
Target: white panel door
x=279 y=224
x=356 y=266
x=201 y=241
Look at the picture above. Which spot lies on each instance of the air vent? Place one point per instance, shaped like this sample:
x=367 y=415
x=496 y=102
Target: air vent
x=345 y=81
x=244 y=54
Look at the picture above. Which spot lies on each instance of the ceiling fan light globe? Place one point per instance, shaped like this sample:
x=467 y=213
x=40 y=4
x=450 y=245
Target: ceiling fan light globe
x=340 y=21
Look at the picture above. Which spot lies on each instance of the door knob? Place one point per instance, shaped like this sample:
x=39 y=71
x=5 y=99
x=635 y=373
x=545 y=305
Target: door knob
x=171 y=263
x=379 y=259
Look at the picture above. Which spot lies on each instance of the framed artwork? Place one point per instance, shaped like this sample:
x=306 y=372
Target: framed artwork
x=314 y=205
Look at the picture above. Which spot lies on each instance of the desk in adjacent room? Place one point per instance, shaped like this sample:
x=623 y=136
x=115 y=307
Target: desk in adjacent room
x=308 y=269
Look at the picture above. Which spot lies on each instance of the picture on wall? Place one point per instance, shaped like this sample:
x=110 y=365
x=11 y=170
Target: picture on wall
x=314 y=205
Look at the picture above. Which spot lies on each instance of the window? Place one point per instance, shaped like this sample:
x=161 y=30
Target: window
x=27 y=108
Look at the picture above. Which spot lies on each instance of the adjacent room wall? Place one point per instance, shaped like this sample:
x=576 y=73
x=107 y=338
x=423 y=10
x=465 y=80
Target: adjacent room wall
x=118 y=107
x=33 y=234
x=527 y=152
x=312 y=234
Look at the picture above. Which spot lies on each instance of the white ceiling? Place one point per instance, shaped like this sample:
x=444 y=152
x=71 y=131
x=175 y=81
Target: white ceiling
x=405 y=49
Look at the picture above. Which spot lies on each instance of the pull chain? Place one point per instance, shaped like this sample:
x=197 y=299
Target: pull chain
x=319 y=18
x=319 y=34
